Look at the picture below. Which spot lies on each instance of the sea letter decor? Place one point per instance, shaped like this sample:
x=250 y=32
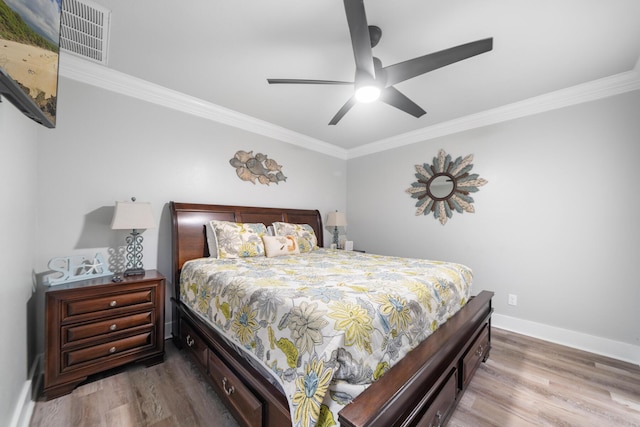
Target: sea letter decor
x=258 y=167
x=444 y=186
x=78 y=267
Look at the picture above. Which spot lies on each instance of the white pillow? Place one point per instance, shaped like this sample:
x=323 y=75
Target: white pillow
x=211 y=241
x=280 y=245
x=270 y=231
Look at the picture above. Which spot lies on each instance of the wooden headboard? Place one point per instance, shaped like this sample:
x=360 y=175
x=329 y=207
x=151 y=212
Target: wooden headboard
x=188 y=226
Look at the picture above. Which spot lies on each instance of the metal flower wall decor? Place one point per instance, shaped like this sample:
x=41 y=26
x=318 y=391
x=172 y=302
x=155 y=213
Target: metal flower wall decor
x=259 y=167
x=444 y=186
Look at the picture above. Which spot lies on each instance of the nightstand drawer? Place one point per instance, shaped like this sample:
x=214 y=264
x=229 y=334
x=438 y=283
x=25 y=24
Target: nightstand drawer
x=76 y=333
x=111 y=348
x=108 y=302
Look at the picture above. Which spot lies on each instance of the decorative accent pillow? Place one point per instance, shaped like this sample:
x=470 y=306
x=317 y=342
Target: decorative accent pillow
x=238 y=240
x=280 y=245
x=307 y=240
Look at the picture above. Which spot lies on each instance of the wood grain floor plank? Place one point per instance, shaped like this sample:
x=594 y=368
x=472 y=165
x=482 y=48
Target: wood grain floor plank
x=529 y=382
x=121 y=416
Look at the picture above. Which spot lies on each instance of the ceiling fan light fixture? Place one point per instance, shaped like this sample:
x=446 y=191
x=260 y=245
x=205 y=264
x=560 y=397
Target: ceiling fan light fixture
x=372 y=81
x=368 y=93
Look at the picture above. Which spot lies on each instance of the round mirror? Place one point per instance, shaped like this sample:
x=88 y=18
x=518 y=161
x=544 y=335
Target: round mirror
x=441 y=187
x=444 y=187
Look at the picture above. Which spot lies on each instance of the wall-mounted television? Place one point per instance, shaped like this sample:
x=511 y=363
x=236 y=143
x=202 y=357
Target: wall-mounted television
x=29 y=57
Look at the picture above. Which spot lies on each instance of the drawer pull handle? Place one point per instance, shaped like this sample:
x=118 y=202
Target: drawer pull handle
x=112 y=350
x=113 y=303
x=190 y=341
x=113 y=327
x=437 y=419
x=479 y=351
x=229 y=390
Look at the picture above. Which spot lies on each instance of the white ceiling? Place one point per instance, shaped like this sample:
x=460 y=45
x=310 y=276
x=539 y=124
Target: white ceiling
x=223 y=51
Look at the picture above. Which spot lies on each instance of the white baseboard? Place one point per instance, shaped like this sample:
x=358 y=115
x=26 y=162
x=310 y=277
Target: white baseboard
x=603 y=346
x=24 y=409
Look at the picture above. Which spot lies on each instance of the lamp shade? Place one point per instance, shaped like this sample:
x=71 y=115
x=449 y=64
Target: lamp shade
x=336 y=219
x=133 y=216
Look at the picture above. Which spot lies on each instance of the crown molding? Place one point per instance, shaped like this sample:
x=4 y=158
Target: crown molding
x=590 y=91
x=81 y=70
x=94 y=74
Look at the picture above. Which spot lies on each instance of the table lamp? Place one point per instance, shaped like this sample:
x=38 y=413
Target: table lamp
x=336 y=219
x=134 y=216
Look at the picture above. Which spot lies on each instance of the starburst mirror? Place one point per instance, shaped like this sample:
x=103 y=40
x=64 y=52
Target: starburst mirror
x=444 y=186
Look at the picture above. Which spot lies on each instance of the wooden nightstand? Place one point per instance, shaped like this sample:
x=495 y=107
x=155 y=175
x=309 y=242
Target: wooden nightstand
x=96 y=324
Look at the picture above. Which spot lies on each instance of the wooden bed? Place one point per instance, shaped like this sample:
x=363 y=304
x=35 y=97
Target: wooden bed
x=422 y=389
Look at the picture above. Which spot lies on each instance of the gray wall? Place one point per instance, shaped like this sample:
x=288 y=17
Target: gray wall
x=18 y=145
x=557 y=224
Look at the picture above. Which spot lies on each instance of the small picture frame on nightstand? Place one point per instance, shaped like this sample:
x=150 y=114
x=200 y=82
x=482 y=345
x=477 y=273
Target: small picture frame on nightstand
x=348 y=245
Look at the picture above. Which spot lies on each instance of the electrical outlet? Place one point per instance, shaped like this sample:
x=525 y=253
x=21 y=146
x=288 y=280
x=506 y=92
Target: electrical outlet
x=513 y=299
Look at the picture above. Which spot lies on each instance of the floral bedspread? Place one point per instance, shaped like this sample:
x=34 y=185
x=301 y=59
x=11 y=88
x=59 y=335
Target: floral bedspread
x=326 y=323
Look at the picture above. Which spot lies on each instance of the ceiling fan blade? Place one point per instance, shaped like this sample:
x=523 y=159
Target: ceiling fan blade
x=395 y=98
x=307 y=82
x=345 y=108
x=360 y=38
x=414 y=67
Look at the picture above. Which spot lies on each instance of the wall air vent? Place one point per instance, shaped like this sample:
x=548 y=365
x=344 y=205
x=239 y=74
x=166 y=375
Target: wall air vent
x=84 y=29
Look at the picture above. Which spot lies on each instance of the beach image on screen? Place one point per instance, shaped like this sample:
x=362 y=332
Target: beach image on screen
x=29 y=48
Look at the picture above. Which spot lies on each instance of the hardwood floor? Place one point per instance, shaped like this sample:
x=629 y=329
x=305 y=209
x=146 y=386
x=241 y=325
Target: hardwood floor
x=525 y=382
x=173 y=393
x=529 y=382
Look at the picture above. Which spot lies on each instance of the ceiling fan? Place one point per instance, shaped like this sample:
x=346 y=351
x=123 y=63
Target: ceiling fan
x=373 y=81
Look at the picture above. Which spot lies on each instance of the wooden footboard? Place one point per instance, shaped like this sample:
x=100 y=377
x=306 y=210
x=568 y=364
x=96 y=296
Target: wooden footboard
x=422 y=389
